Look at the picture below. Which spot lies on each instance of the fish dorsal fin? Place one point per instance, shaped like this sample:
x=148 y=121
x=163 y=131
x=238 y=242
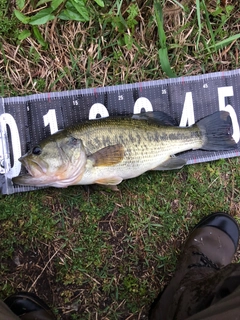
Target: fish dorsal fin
x=108 y=156
x=159 y=117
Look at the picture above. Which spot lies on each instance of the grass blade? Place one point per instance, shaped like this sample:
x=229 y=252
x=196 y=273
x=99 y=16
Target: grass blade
x=199 y=22
x=225 y=42
x=162 y=52
x=208 y=23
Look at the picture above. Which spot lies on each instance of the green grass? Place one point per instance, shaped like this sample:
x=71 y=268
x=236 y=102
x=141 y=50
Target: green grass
x=7 y=26
x=99 y=254
x=116 y=249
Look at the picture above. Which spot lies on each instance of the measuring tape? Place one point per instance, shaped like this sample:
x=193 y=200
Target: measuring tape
x=25 y=121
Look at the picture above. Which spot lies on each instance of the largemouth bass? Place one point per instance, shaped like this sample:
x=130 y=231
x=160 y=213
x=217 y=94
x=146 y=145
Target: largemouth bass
x=107 y=151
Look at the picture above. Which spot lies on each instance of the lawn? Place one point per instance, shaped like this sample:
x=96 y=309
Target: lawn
x=92 y=253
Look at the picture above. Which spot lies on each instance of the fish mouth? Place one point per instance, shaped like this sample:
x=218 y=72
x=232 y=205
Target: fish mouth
x=34 y=168
x=28 y=180
x=36 y=175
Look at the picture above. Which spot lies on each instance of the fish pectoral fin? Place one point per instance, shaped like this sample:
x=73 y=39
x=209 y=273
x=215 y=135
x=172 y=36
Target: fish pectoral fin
x=171 y=164
x=109 y=181
x=108 y=156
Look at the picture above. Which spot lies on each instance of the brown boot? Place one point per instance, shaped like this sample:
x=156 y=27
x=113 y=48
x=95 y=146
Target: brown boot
x=28 y=306
x=212 y=244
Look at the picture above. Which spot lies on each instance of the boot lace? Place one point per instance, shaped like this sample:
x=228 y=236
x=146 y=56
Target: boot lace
x=204 y=261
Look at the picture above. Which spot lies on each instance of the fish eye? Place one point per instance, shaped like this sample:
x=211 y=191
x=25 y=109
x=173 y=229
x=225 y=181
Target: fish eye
x=73 y=140
x=36 y=151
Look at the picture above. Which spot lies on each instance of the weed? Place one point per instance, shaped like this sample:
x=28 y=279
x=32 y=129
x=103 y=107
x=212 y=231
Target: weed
x=8 y=21
x=48 y=11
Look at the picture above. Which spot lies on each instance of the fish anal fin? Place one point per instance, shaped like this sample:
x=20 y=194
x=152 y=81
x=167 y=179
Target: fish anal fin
x=171 y=164
x=113 y=181
x=108 y=156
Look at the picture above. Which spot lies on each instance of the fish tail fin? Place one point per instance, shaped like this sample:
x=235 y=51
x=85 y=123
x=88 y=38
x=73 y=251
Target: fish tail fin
x=216 y=129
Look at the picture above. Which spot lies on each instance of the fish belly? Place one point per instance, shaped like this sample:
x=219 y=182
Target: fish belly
x=129 y=168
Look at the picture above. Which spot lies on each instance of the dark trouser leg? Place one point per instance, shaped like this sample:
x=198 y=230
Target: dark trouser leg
x=6 y=313
x=227 y=308
x=203 y=293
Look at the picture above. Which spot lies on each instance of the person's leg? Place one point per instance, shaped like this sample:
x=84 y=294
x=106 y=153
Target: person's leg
x=207 y=296
x=211 y=246
x=6 y=313
x=225 y=309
